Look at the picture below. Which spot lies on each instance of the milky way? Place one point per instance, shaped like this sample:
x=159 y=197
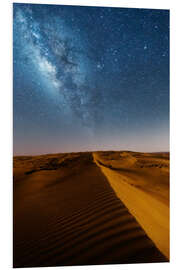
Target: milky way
x=56 y=55
x=89 y=77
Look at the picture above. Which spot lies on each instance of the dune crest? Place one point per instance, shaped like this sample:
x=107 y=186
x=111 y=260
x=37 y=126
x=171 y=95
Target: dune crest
x=67 y=213
x=141 y=181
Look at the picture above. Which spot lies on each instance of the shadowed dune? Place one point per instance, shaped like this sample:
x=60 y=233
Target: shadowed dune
x=67 y=213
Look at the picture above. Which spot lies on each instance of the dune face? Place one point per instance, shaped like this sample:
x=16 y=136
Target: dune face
x=141 y=181
x=68 y=209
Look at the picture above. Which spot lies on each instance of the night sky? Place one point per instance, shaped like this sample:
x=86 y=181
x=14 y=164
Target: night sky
x=90 y=78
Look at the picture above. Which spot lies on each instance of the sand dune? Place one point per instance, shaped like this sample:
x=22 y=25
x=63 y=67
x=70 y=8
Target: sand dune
x=141 y=181
x=67 y=213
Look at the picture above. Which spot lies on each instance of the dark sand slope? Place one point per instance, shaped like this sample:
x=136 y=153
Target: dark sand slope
x=66 y=213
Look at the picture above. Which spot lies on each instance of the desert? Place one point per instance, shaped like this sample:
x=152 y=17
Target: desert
x=90 y=208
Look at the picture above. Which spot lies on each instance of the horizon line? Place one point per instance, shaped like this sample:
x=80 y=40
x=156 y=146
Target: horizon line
x=91 y=151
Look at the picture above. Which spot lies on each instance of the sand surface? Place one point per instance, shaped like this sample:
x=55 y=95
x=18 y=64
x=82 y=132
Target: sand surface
x=66 y=212
x=141 y=181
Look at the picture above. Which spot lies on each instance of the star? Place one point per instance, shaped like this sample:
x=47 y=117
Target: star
x=114 y=52
x=100 y=66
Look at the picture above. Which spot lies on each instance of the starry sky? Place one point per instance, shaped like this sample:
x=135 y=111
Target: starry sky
x=90 y=78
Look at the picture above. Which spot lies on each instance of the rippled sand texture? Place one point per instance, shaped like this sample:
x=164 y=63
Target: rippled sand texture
x=66 y=212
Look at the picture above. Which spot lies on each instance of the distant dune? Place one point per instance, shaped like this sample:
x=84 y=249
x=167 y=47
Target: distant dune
x=91 y=208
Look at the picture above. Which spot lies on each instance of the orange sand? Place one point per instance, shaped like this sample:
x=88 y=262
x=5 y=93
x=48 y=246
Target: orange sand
x=67 y=213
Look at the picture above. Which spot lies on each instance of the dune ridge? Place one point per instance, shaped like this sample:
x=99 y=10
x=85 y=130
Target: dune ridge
x=66 y=213
x=146 y=198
